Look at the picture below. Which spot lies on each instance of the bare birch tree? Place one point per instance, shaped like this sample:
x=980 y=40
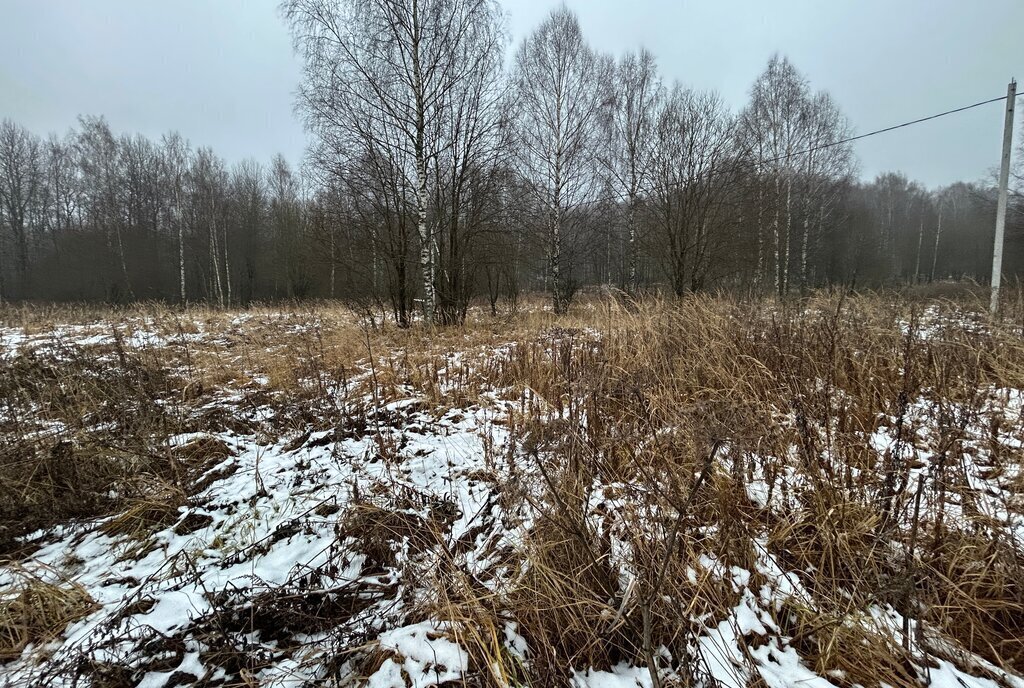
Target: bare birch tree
x=175 y=167
x=397 y=61
x=472 y=135
x=825 y=172
x=558 y=91
x=99 y=162
x=775 y=119
x=628 y=123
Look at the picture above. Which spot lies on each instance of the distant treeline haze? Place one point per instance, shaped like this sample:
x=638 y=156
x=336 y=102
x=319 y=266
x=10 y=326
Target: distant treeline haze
x=443 y=169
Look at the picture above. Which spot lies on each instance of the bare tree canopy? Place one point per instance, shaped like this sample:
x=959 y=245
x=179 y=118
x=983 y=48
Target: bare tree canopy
x=558 y=82
x=387 y=77
x=445 y=168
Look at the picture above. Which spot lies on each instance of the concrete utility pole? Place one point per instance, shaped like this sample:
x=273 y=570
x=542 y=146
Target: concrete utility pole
x=1004 y=180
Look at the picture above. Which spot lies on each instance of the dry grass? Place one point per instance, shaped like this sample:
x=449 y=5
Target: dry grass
x=795 y=393
x=621 y=409
x=34 y=611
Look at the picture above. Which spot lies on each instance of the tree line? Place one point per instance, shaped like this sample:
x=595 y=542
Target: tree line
x=443 y=168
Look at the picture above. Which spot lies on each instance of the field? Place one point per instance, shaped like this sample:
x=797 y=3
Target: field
x=705 y=492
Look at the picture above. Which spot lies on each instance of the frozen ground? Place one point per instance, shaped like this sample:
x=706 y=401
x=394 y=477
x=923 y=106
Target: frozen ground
x=319 y=555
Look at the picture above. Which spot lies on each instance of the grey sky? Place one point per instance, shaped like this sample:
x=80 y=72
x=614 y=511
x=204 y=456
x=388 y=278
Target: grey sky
x=222 y=71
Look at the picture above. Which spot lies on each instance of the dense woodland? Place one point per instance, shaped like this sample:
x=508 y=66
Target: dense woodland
x=444 y=168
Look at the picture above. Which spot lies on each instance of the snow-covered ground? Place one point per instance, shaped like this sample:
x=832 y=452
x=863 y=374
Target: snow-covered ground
x=319 y=556
x=275 y=519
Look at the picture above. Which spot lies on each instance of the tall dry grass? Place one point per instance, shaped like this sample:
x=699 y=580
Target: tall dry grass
x=638 y=429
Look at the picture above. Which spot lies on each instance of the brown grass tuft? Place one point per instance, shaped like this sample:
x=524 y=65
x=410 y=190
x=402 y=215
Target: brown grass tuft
x=34 y=611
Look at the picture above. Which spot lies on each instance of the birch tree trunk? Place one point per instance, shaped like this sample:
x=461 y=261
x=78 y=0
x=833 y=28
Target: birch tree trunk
x=426 y=240
x=785 y=239
x=227 y=266
x=334 y=261
x=758 y=270
x=775 y=236
x=181 y=248
x=631 y=232
x=803 y=245
x=557 y=298
x=218 y=288
x=920 y=241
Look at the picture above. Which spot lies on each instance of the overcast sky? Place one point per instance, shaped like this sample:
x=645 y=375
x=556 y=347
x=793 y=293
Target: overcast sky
x=222 y=72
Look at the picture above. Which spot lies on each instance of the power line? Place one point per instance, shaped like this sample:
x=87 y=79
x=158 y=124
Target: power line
x=832 y=144
x=887 y=129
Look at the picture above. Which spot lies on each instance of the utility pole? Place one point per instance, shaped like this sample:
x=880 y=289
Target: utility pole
x=1004 y=180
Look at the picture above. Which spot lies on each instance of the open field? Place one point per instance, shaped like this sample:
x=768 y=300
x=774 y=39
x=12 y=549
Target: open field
x=697 y=493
